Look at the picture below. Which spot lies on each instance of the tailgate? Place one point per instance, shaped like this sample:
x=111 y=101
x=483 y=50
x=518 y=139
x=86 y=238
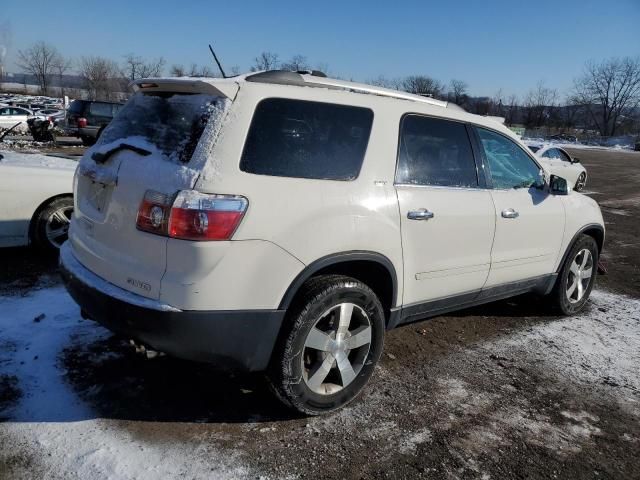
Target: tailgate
x=153 y=144
x=104 y=234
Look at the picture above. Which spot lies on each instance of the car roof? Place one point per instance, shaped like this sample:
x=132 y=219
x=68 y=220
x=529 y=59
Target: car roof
x=229 y=86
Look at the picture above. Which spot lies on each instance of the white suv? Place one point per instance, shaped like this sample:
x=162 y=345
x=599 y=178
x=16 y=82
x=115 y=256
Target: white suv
x=283 y=221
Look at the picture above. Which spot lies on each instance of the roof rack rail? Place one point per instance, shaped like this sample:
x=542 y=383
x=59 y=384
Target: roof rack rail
x=319 y=79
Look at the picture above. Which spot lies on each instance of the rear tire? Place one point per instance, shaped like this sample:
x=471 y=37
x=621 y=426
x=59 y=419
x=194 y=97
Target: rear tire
x=576 y=278
x=329 y=345
x=50 y=226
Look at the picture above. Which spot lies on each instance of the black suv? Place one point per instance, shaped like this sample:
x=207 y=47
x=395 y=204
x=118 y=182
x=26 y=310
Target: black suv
x=86 y=119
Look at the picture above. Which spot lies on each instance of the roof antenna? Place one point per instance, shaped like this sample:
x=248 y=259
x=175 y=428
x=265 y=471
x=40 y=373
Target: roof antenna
x=224 y=75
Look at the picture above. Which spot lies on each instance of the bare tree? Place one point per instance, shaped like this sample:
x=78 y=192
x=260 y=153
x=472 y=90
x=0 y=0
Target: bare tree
x=609 y=90
x=194 y=70
x=382 y=81
x=5 y=43
x=100 y=77
x=541 y=103
x=177 y=70
x=265 y=61
x=60 y=68
x=458 y=91
x=296 y=63
x=512 y=109
x=135 y=67
x=40 y=61
x=422 y=85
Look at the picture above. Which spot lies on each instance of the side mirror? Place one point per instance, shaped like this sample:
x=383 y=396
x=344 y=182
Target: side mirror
x=558 y=185
x=575 y=160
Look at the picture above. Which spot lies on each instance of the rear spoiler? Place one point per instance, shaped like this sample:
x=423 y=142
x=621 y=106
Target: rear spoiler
x=212 y=86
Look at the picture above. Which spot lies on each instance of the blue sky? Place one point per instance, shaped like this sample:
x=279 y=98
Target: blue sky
x=508 y=45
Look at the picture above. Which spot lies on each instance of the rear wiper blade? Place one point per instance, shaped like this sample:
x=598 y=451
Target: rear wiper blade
x=101 y=157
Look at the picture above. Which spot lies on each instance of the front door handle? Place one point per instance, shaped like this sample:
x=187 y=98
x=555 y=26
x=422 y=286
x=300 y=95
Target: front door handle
x=510 y=213
x=422 y=214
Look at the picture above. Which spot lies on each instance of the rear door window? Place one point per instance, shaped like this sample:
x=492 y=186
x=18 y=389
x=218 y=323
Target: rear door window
x=552 y=153
x=435 y=152
x=564 y=157
x=303 y=139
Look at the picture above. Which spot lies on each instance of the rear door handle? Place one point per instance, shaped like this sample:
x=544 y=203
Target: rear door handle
x=421 y=214
x=510 y=213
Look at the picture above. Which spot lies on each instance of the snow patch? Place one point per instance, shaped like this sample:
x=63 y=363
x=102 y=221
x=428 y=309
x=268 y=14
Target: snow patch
x=601 y=345
x=57 y=432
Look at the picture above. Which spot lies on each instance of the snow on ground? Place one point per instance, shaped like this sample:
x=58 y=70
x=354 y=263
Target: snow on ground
x=51 y=426
x=51 y=420
x=541 y=142
x=601 y=345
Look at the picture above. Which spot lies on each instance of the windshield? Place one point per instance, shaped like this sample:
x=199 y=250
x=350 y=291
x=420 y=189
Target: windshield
x=172 y=122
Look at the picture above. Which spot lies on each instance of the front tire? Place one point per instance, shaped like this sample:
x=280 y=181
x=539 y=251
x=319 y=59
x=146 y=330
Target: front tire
x=577 y=276
x=329 y=346
x=50 y=226
x=581 y=182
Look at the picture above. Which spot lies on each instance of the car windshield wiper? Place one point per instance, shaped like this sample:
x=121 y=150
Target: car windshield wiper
x=101 y=157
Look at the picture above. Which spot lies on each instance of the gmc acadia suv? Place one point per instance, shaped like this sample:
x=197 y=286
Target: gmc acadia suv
x=282 y=222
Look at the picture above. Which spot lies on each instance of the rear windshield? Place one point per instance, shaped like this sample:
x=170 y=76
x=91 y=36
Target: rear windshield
x=172 y=122
x=302 y=139
x=77 y=106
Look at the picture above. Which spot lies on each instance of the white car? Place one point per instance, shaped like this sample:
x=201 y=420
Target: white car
x=559 y=162
x=284 y=221
x=36 y=199
x=47 y=113
x=10 y=116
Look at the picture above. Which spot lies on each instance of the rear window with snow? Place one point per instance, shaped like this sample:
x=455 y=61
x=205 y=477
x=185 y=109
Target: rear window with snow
x=302 y=139
x=173 y=122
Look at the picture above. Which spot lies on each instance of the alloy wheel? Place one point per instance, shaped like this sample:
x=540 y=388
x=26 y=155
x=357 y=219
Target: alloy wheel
x=580 y=273
x=57 y=227
x=336 y=348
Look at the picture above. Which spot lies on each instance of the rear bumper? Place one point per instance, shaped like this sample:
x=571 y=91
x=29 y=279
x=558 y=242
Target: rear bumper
x=241 y=339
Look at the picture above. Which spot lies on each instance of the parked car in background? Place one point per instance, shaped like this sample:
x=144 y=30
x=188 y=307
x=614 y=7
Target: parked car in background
x=36 y=199
x=87 y=119
x=10 y=116
x=55 y=113
x=282 y=221
x=558 y=161
x=562 y=137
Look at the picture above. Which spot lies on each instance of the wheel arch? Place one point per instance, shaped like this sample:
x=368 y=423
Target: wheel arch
x=594 y=230
x=373 y=269
x=42 y=206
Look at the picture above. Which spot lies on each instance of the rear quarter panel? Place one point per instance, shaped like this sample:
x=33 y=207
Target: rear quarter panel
x=309 y=218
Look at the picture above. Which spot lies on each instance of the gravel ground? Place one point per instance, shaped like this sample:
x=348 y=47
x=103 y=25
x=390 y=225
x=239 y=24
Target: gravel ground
x=498 y=391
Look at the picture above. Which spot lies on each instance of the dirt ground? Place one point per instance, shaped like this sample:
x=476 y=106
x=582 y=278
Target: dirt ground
x=495 y=392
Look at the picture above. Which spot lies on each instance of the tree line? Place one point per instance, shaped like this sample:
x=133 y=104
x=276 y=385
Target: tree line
x=605 y=97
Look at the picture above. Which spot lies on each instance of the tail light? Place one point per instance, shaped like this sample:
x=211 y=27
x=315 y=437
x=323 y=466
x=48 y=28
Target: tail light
x=192 y=215
x=153 y=214
x=82 y=122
